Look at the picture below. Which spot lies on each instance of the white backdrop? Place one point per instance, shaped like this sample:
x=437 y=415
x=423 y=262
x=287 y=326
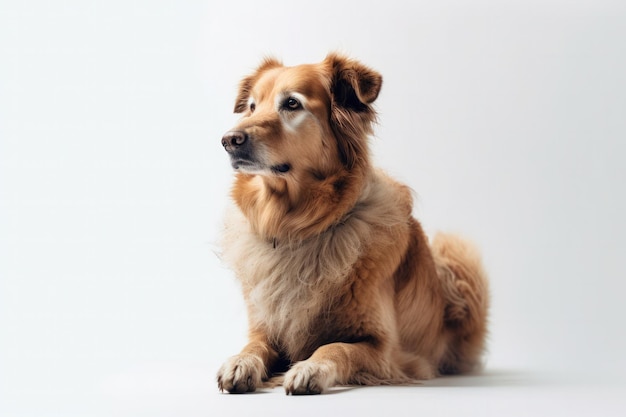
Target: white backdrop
x=506 y=117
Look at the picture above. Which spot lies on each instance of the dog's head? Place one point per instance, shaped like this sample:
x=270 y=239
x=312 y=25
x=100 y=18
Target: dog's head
x=305 y=120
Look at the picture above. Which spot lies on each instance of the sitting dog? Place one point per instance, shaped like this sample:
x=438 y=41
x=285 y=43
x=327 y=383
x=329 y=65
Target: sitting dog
x=340 y=282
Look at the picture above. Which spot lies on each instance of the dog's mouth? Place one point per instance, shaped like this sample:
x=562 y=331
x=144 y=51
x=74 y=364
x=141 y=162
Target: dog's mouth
x=238 y=163
x=241 y=164
x=252 y=166
x=245 y=157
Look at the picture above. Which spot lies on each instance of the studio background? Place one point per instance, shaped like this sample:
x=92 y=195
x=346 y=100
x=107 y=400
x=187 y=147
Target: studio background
x=507 y=118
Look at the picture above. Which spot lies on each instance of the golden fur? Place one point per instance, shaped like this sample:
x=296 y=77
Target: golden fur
x=340 y=282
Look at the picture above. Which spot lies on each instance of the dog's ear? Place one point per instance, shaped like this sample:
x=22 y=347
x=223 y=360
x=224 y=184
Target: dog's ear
x=241 y=103
x=353 y=84
x=245 y=86
x=353 y=88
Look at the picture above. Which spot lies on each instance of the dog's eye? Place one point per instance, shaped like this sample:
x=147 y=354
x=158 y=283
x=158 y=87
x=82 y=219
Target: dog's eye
x=252 y=107
x=292 y=104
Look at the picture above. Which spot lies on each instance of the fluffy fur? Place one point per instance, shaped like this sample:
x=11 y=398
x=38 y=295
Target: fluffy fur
x=340 y=282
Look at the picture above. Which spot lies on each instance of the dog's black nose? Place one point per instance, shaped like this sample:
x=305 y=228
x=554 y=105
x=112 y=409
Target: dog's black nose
x=233 y=140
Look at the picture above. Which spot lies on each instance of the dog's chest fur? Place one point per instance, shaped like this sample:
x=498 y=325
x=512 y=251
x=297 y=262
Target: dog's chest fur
x=290 y=287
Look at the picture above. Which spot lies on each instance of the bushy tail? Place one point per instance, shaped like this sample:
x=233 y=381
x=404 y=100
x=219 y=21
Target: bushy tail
x=465 y=287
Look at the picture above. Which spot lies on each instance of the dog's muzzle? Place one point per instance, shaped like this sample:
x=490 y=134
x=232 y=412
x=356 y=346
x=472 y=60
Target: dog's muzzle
x=240 y=150
x=243 y=155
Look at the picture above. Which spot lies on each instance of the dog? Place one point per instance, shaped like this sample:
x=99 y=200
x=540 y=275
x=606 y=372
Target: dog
x=342 y=286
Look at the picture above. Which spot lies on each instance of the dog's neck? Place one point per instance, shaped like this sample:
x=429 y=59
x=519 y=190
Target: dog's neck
x=288 y=209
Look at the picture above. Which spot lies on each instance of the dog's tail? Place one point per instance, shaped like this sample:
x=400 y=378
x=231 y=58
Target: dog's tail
x=465 y=288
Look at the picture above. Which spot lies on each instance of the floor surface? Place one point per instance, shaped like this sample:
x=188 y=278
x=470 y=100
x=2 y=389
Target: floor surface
x=175 y=390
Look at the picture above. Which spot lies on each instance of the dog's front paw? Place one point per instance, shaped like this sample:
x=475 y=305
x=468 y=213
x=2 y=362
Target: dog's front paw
x=241 y=373
x=309 y=377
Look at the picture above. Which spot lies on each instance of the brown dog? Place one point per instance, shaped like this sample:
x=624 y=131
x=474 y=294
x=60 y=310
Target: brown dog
x=340 y=282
